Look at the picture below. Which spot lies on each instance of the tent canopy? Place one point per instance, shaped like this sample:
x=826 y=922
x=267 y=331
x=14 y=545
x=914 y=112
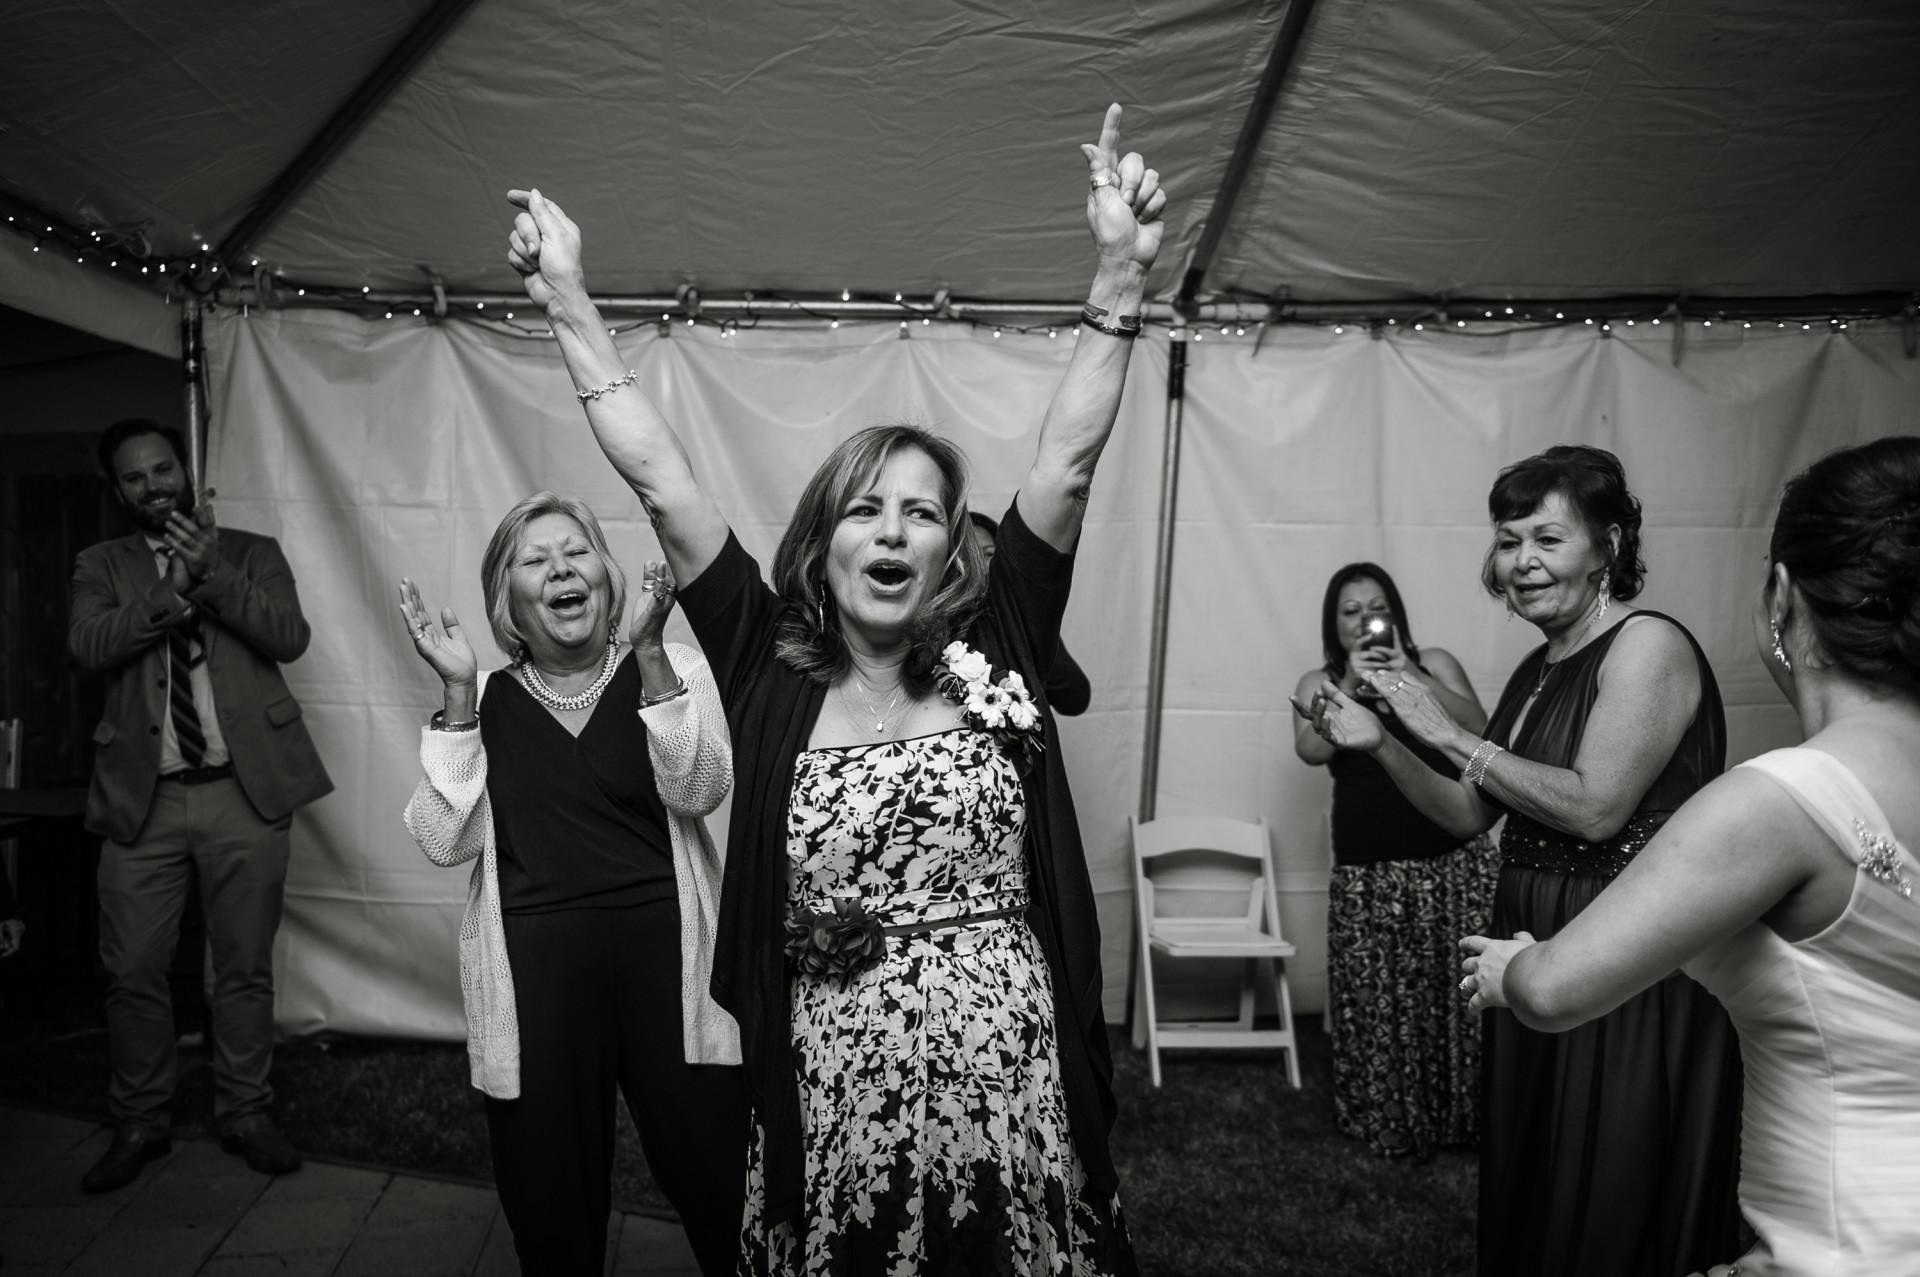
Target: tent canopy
x=1543 y=148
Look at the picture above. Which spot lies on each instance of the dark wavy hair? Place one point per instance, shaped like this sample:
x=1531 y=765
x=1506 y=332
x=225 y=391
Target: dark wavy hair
x=1595 y=485
x=1848 y=532
x=1330 y=608
x=809 y=637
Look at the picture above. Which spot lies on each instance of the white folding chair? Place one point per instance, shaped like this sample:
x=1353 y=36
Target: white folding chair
x=1203 y=888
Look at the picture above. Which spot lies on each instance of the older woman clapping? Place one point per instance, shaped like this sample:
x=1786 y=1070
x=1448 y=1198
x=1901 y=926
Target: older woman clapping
x=579 y=785
x=907 y=934
x=1610 y=1151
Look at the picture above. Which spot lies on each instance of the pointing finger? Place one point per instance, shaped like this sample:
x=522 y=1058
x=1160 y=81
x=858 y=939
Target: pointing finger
x=1110 y=130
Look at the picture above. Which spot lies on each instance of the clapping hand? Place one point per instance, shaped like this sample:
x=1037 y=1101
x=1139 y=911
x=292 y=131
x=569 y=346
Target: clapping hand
x=651 y=609
x=445 y=649
x=193 y=542
x=1124 y=201
x=1340 y=720
x=1486 y=968
x=544 y=247
x=1414 y=703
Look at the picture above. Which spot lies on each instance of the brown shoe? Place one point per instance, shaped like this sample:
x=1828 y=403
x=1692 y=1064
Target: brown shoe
x=120 y=1165
x=259 y=1141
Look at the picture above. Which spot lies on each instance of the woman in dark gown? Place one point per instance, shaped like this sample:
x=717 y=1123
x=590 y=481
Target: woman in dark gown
x=1611 y=1151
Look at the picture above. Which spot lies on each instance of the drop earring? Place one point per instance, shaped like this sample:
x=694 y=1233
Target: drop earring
x=1780 y=649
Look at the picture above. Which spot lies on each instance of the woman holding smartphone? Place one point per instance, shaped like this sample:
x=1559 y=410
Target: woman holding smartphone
x=1405 y=1053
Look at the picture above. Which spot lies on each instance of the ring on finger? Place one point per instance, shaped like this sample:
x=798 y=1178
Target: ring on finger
x=1099 y=180
x=1466 y=985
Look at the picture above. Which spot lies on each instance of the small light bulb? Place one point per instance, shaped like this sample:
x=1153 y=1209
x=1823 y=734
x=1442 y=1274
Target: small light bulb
x=664 y=316
x=256 y=261
x=1746 y=324
x=996 y=332
x=1239 y=332
x=1338 y=329
x=1559 y=314
x=1629 y=323
x=1509 y=310
x=611 y=332
x=896 y=297
x=1050 y=334
x=36 y=248
x=1198 y=335
x=300 y=292
x=689 y=321
x=509 y=314
x=834 y=324
x=903 y=325
x=1489 y=314
x=845 y=296
x=1223 y=330
x=1806 y=328
x=1419 y=327
x=143 y=270
x=1588 y=320
x=1706 y=323
x=1656 y=323
x=925 y=321
x=1461 y=322
x=366 y=288
x=389 y=314
x=479 y=305
x=416 y=310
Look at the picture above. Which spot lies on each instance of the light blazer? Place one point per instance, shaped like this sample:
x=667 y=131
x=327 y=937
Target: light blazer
x=250 y=623
x=451 y=817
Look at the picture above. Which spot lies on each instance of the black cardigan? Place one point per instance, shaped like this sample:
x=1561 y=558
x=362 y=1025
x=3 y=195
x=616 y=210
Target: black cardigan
x=771 y=710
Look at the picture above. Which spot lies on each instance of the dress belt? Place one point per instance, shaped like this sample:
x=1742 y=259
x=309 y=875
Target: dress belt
x=1528 y=844
x=945 y=924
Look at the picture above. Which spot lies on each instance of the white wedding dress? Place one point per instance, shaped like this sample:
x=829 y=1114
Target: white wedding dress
x=1830 y=1037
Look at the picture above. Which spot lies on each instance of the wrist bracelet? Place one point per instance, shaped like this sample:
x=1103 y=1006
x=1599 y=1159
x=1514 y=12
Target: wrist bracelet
x=1128 y=326
x=439 y=723
x=585 y=396
x=648 y=702
x=1475 y=772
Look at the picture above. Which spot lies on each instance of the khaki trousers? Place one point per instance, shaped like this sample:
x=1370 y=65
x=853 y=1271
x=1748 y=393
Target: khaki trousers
x=242 y=864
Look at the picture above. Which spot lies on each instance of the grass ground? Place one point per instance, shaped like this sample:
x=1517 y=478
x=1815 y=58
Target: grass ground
x=1225 y=1170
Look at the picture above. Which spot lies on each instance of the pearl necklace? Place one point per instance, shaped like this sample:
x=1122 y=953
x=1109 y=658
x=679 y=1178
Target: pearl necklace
x=537 y=686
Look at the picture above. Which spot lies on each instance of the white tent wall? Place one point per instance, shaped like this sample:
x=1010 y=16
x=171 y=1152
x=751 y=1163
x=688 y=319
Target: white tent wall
x=1323 y=449
x=375 y=450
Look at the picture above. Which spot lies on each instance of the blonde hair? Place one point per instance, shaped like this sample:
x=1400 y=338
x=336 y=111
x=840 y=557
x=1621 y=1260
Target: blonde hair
x=497 y=564
x=809 y=638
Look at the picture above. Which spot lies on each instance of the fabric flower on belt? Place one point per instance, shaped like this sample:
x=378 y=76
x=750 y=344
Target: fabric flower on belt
x=1004 y=708
x=841 y=940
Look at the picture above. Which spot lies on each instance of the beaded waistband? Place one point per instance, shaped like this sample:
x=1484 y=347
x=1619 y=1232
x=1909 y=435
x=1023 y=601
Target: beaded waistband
x=1528 y=844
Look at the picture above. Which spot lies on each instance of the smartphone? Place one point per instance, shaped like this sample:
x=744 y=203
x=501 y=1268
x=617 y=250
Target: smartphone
x=1377 y=633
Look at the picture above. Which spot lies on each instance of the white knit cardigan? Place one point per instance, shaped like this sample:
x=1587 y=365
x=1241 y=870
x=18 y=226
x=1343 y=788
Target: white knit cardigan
x=451 y=818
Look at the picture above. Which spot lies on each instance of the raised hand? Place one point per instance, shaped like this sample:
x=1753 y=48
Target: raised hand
x=544 y=247
x=195 y=544
x=445 y=649
x=651 y=609
x=1340 y=720
x=1124 y=199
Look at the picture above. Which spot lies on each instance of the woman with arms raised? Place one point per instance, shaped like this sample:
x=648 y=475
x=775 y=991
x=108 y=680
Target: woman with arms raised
x=1787 y=887
x=576 y=780
x=1611 y=1151
x=907 y=932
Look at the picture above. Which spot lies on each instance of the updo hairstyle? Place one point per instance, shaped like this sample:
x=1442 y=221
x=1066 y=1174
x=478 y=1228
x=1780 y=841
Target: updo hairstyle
x=1849 y=534
x=1595 y=485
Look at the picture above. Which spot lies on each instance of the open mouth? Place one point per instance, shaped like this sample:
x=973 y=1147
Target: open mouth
x=568 y=602
x=889 y=576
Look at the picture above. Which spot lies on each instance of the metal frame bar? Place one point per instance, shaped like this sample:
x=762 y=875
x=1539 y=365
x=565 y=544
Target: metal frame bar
x=393 y=71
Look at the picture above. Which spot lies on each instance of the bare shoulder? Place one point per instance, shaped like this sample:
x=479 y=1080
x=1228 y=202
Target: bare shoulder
x=1443 y=659
x=1651 y=646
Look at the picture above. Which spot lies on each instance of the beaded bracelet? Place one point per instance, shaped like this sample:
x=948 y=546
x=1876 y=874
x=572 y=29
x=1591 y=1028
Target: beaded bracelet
x=1128 y=326
x=1484 y=753
x=585 y=396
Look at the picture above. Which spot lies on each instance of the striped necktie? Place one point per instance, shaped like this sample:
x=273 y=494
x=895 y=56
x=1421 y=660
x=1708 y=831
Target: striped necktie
x=184 y=651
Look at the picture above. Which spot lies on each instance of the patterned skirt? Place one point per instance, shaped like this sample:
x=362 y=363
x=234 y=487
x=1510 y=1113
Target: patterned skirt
x=935 y=1122
x=1406 y=1052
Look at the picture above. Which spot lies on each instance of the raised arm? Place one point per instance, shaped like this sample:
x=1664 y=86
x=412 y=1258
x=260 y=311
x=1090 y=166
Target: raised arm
x=545 y=249
x=1124 y=207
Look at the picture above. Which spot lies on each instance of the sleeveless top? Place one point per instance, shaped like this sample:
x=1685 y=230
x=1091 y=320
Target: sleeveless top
x=1829 y=1032
x=1372 y=820
x=577 y=820
x=1552 y=734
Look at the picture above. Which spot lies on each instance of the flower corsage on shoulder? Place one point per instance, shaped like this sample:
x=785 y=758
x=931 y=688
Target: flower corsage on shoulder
x=1002 y=707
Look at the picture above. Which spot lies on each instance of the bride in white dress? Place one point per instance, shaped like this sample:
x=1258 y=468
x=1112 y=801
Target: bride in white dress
x=1788 y=888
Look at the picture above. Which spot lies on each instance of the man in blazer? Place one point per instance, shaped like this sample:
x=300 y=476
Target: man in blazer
x=200 y=761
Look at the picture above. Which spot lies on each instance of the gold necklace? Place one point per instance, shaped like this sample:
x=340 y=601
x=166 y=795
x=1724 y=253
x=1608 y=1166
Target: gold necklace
x=879 y=718
x=1547 y=667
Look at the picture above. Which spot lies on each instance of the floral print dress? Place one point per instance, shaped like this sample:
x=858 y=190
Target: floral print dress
x=932 y=1109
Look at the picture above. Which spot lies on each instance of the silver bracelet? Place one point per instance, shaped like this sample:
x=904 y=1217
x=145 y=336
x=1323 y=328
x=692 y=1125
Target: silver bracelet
x=1484 y=753
x=648 y=702
x=439 y=723
x=585 y=396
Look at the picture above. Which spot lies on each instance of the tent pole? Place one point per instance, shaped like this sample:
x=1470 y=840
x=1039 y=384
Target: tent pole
x=191 y=356
x=1163 y=573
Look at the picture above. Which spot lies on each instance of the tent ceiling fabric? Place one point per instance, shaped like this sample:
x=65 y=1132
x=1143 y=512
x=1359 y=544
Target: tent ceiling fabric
x=1569 y=148
x=1454 y=147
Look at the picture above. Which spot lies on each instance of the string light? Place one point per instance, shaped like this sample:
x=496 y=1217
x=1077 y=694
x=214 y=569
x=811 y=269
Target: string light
x=300 y=292
x=1656 y=323
x=1051 y=334
x=1559 y=315
x=1419 y=327
x=1589 y=319
x=834 y=324
x=389 y=314
x=996 y=332
x=1337 y=329
x=845 y=296
x=479 y=305
x=925 y=321
x=509 y=314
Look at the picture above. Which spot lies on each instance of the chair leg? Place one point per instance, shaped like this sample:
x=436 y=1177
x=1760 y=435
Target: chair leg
x=1152 y=1017
x=1142 y=1003
x=1284 y=1004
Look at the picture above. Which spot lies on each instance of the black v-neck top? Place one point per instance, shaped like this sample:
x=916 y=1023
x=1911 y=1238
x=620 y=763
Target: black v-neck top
x=577 y=820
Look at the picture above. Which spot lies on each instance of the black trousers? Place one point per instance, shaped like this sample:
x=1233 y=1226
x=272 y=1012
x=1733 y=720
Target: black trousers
x=597 y=993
